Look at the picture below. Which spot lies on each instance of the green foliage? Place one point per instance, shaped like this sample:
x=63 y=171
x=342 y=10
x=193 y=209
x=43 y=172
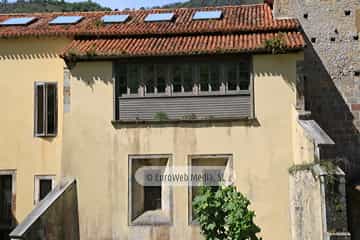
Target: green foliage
x=223 y=214
x=161 y=116
x=50 y=6
x=276 y=44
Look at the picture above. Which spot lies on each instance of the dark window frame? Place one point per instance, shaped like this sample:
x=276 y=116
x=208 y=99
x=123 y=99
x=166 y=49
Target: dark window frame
x=45 y=109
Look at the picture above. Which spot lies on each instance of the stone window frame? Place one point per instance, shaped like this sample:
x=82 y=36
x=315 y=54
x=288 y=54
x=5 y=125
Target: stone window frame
x=152 y=222
x=229 y=166
x=12 y=173
x=37 y=179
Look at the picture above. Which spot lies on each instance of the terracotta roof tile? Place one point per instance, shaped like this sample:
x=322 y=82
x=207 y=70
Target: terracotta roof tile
x=179 y=45
x=236 y=19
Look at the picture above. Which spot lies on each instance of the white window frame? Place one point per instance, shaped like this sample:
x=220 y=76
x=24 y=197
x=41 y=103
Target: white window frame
x=37 y=180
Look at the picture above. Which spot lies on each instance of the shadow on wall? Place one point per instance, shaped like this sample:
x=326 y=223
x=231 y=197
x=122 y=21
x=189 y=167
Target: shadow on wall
x=332 y=113
x=30 y=56
x=90 y=75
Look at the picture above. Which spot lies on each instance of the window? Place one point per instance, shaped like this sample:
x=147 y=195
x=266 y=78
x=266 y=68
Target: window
x=7 y=206
x=66 y=20
x=182 y=78
x=45 y=109
x=159 y=17
x=18 y=21
x=43 y=186
x=210 y=78
x=237 y=77
x=207 y=15
x=214 y=169
x=149 y=201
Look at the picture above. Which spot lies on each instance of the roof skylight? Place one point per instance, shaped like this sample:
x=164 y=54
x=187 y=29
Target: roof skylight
x=206 y=15
x=159 y=17
x=115 y=18
x=18 y=21
x=61 y=20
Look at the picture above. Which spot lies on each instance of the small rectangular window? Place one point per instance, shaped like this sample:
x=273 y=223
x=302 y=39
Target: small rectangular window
x=43 y=186
x=45 y=109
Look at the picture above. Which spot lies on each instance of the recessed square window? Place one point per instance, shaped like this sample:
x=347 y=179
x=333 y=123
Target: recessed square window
x=207 y=15
x=313 y=40
x=213 y=170
x=65 y=20
x=150 y=199
x=347 y=12
x=7 y=193
x=159 y=17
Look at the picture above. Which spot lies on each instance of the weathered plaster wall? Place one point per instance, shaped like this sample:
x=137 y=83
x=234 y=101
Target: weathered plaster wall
x=22 y=62
x=306 y=213
x=96 y=152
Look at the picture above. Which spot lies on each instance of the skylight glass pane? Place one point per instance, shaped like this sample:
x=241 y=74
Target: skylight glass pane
x=115 y=18
x=66 y=20
x=159 y=17
x=204 y=15
x=18 y=21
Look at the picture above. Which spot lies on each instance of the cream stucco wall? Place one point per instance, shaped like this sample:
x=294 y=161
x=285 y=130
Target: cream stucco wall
x=22 y=62
x=96 y=152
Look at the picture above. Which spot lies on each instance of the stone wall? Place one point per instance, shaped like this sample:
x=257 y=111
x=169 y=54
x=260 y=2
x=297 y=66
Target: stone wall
x=332 y=71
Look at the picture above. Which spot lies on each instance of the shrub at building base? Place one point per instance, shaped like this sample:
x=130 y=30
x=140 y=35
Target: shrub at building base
x=223 y=214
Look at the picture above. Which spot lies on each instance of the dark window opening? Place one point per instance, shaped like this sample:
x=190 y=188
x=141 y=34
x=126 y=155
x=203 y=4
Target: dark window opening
x=215 y=77
x=347 y=12
x=133 y=79
x=313 y=40
x=161 y=79
x=306 y=15
x=204 y=77
x=149 y=75
x=6 y=200
x=45 y=109
x=152 y=198
x=188 y=81
x=45 y=187
x=176 y=80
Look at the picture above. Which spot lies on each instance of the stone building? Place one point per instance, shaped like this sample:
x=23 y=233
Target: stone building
x=331 y=75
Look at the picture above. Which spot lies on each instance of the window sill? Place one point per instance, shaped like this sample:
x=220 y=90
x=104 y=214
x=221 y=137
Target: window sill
x=201 y=94
x=156 y=217
x=247 y=120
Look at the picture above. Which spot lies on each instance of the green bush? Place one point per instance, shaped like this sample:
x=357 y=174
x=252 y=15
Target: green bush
x=223 y=214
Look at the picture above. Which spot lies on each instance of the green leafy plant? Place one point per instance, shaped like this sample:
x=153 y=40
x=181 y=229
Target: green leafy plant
x=276 y=44
x=161 y=116
x=223 y=214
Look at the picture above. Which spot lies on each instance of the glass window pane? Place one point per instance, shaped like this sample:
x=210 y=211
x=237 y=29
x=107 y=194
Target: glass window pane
x=51 y=109
x=45 y=186
x=244 y=80
x=215 y=77
x=161 y=78
x=231 y=76
x=204 y=77
x=176 y=79
x=149 y=76
x=121 y=78
x=40 y=109
x=133 y=78
x=5 y=199
x=188 y=78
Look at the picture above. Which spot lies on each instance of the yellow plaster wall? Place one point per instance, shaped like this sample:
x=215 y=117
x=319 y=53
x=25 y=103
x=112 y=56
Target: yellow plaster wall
x=22 y=62
x=96 y=152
